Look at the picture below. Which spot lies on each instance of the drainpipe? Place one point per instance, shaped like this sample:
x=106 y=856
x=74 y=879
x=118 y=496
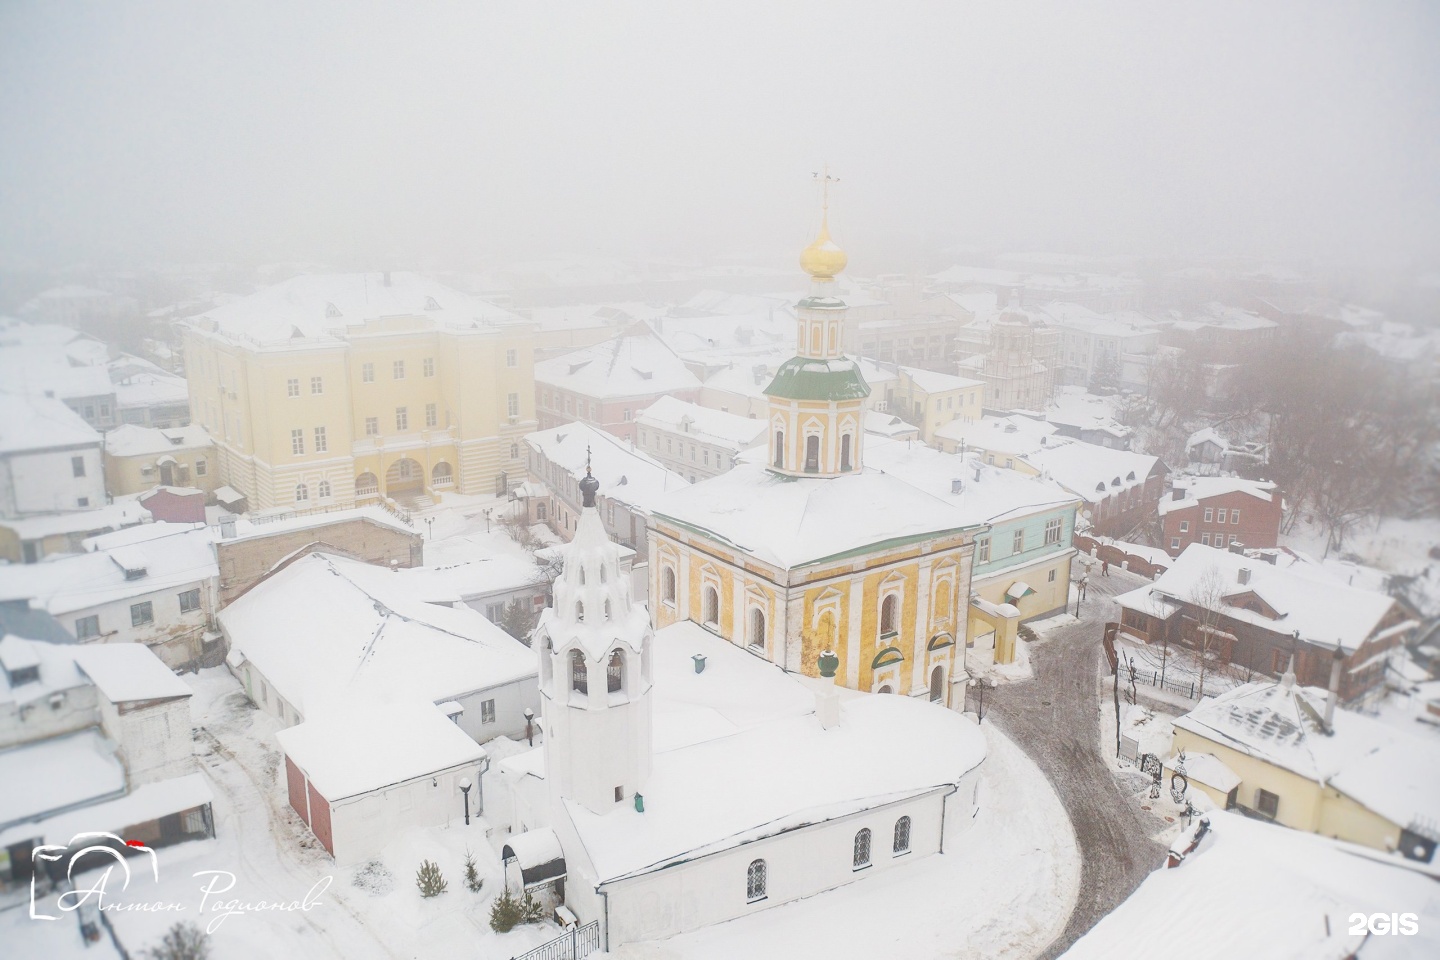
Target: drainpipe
x=480 y=786
x=1337 y=659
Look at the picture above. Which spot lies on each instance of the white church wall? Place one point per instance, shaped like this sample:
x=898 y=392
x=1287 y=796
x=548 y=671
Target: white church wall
x=511 y=700
x=361 y=826
x=800 y=863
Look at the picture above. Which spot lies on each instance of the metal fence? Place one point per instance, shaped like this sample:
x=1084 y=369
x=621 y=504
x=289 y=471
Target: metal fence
x=575 y=943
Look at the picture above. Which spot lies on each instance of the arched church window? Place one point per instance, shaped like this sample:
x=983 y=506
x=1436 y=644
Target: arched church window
x=756 y=637
x=602 y=573
x=710 y=612
x=615 y=672
x=812 y=454
x=815 y=339
x=902 y=836
x=862 y=849
x=780 y=449
x=890 y=615
x=579 y=611
x=937 y=685
x=845 y=452
x=755 y=881
x=667 y=584
x=581 y=571
x=579 y=673
x=607 y=608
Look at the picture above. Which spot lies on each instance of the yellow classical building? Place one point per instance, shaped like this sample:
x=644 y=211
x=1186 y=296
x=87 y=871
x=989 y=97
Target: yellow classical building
x=332 y=389
x=811 y=551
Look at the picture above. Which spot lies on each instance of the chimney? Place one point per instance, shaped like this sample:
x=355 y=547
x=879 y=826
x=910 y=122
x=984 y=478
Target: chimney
x=1238 y=548
x=227 y=527
x=1177 y=494
x=1242 y=576
x=1336 y=662
x=957 y=486
x=387 y=278
x=827 y=701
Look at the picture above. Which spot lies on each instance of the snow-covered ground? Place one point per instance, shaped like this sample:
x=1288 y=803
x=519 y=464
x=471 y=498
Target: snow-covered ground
x=1390 y=543
x=1003 y=889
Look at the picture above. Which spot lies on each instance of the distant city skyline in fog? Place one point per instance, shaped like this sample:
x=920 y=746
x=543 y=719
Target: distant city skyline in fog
x=447 y=134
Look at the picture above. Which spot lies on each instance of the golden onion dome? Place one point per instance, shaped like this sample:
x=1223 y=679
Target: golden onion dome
x=823 y=259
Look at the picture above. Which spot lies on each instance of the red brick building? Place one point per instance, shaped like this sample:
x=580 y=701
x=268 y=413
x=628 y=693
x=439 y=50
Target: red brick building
x=1219 y=511
x=1258 y=616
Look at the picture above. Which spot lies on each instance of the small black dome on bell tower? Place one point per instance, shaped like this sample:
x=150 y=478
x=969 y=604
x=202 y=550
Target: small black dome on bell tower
x=588 y=486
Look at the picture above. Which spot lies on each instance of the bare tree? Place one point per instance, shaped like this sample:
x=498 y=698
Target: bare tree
x=1207 y=600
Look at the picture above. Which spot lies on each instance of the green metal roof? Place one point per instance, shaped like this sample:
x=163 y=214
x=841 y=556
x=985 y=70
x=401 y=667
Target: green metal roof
x=800 y=378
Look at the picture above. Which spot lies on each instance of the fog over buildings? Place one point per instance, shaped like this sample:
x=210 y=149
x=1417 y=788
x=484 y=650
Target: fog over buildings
x=436 y=134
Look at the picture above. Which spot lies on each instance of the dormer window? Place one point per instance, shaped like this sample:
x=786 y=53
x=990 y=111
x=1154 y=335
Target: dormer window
x=332 y=312
x=431 y=304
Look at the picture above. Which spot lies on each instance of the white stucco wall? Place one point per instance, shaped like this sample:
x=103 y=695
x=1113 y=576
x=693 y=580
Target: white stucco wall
x=45 y=482
x=154 y=738
x=511 y=700
x=39 y=720
x=175 y=637
x=362 y=826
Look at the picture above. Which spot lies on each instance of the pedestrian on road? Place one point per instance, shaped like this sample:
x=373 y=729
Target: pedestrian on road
x=1104 y=568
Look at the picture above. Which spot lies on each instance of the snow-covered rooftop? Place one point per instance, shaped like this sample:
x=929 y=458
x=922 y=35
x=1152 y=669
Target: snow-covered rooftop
x=1253 y=889
x=130 y=440
x=327 y=306
x=933 y=382
x=728 y=430
x=127 y=672
x=246 y=527
x=626 y=474
x=1015 y=435
x=112 y=516
x=791 y=521
x=355 y=751
x=169 y=554
x=328 y=632
x=1093 y=472
x=147 y=802
x=756 y=761
x=1392 y=772
x=1196 y=489
x=55 y=775
x=40 y=423
x=986 y=494
x=636 y=365
x=1322 y=612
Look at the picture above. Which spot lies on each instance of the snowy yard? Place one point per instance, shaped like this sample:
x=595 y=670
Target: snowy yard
x=369 y=911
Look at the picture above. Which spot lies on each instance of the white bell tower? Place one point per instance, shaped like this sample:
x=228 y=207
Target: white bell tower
x=594 y=649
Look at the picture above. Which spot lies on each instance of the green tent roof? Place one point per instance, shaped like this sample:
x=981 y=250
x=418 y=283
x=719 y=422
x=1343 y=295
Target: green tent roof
x=804 y=379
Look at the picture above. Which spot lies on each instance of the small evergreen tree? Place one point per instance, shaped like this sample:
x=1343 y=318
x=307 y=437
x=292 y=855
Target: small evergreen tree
x=505 y=913
x=429 y=880
x=518 y=619
x=531 y=910
x=472 y=875
x=184 y=941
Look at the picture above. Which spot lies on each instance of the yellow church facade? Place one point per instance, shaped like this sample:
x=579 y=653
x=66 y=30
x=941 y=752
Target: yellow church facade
x=804 y=550
x=332 y=390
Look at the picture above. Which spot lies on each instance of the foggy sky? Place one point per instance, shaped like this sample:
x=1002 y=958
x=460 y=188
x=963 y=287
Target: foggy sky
x=389 y=134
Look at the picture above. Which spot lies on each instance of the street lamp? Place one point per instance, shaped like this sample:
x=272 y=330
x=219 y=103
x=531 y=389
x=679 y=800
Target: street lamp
x=465 y=789
x=487 y=521
x=981 y=685
x=430 y=525
x=530 y=726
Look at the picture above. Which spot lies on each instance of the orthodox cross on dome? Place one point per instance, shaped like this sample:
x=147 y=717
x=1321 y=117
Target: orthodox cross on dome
x=587 y=459
x=824 y=179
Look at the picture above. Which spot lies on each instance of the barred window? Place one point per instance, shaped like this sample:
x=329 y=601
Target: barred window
x=579 y=675
x=862 y=849
x=755 y=881
x=902 y=836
